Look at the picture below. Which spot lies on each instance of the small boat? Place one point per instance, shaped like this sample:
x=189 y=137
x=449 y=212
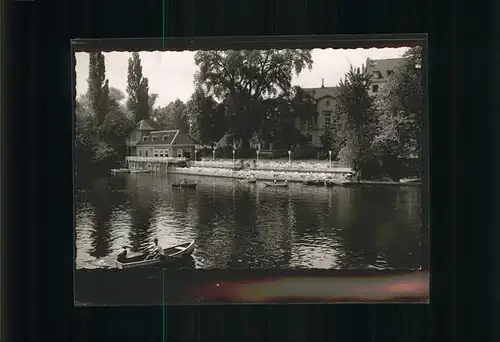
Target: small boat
x=141 y=171
x=410 y=180
x=120 y=171
x=276 y=185
x=252 y=181
x=172 y=254
x=185 y=185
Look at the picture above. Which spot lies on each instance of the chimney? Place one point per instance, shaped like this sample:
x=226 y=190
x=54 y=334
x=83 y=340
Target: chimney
x=322 y=83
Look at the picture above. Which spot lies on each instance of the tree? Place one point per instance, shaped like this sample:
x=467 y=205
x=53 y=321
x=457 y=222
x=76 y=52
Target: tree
x=356 y=110
x=206 y=118
x=400 y=105
x=241 y=79
x=335 y=136
x=98 y=88
x=173 y=116
x=137 y=89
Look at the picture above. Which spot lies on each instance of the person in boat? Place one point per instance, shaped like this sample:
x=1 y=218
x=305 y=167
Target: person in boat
x=157 y=251
x=286 y=181
x=122 y=257
x=275 y=181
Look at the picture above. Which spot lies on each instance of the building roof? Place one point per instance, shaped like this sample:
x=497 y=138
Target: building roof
x=166 y=137
x=147 y=125
x=321 y=92
x=384 y=65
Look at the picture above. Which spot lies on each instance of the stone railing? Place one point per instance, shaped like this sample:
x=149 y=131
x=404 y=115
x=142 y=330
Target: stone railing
x=266 y=165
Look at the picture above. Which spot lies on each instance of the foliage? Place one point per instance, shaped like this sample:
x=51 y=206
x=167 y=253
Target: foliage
x=207 y=122
x=400 y=112
x=241 y=79
x=173 y=116
x=98 y=91
x=356 y=110
x=137 y=89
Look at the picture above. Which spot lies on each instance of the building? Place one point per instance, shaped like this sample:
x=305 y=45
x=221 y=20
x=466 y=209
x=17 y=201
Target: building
x=314 y=126
x=149 y=139
x=381 y=70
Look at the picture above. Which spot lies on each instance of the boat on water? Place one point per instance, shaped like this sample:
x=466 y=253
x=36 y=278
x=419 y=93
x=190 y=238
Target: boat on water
x=276 y=185
x=252 y=181
x=120 y=170
x=184 y=185
x=141 y=171
x=172 y=254
x=410 y=181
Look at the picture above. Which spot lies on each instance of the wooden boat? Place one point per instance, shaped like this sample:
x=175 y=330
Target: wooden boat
x=252 y=181
x=276 y=185
x=120 y=171
x=172 y=254
x=410 y=180
x=185 y=185
x=141 y=171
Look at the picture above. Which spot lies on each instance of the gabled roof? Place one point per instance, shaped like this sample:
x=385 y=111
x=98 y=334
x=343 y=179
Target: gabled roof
x=319 y=93
x=384 y=65
x=147 y=125
x=166 y=137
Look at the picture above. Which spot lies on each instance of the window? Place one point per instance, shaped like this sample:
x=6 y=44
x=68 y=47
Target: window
x=146 y=153
x=377 y=74
x=153 y=138
x=140 y=153
x=179 y=153
x=328 y=117
x=389 y=72
x=375 y=88
x=165 y=137
x=145 y=139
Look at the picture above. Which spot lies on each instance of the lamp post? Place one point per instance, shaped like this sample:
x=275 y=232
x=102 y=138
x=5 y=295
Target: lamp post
x=330 y=157
x=234 y=153
x=289 y=156
x=213 y=154
x=258 y=156
x=195 y=155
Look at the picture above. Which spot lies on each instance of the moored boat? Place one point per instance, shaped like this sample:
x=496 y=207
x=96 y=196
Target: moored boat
x=276 y=185
x=141 y=171
x=172 y=254
x=252 y=181
x=120 y=171
x=184 y=185
x=410 y=181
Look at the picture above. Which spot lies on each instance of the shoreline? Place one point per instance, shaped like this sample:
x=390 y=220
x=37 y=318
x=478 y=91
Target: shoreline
x=292 y=177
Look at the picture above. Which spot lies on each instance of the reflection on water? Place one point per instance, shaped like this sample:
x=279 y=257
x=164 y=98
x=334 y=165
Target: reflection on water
x=236 y=224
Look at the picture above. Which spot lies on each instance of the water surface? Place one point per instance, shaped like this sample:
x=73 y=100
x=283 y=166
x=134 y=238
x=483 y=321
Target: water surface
x=240 y=225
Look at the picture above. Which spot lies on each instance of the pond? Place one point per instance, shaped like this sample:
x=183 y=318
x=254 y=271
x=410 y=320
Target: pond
x=241 y=225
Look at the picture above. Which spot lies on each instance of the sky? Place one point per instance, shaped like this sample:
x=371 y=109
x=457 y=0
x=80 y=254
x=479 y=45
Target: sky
x=171 y=74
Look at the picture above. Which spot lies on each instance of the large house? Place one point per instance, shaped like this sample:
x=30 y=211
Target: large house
x=381 y=70
x=149 y=139
x=314 y=126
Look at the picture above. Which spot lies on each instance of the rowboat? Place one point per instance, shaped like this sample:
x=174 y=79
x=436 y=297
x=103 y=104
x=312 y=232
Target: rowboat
x=172 y=254
x=141 y=171
x=186 y=185
x=276 y=185
x=252 y=181
x=410 y=181
x=120 y=170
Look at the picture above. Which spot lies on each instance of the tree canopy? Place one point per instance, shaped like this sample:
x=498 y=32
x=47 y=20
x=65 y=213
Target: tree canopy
x=137 y=89
x=242 y=79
